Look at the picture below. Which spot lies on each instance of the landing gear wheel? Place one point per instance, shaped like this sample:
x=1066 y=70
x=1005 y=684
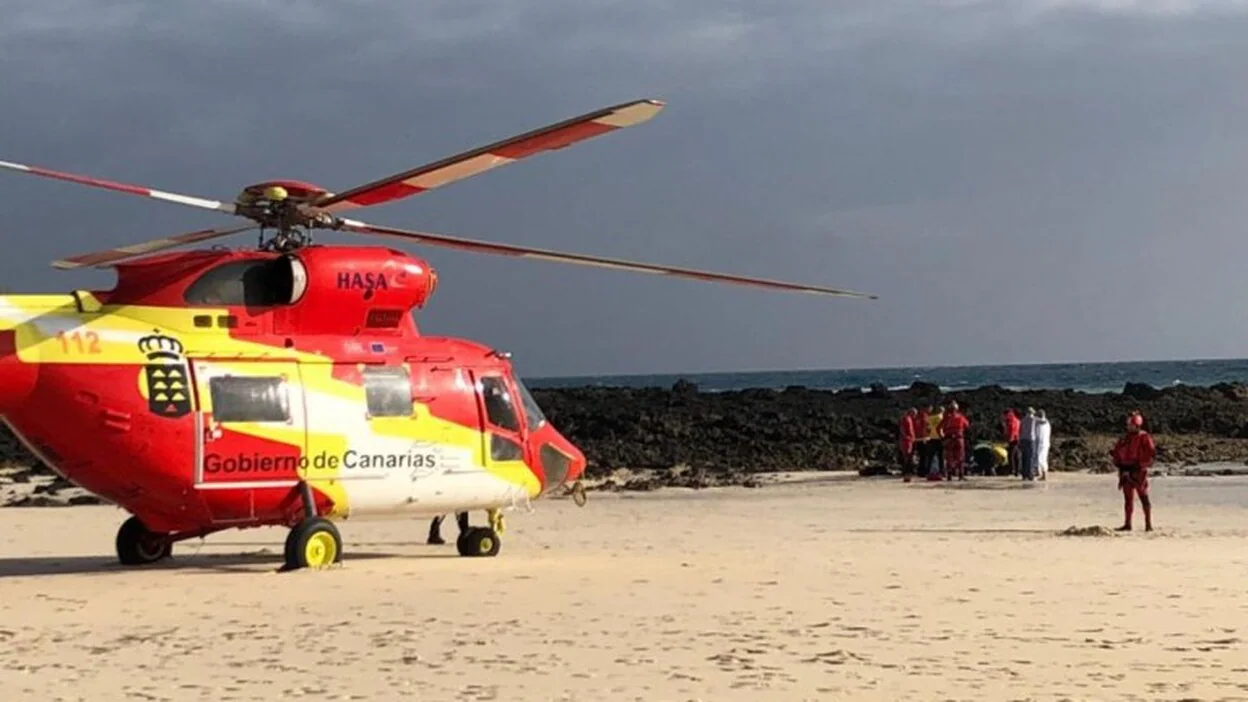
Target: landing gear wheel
x=479 y=542
x=138 y=545
x=313 y=543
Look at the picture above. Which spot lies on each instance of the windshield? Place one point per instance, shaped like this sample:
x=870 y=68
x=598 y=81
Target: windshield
x=533 y=415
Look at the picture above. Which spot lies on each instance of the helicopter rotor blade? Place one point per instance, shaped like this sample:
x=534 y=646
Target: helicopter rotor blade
x=226 y=207
x=479 y=160
x=477 y=246
x=108 y=257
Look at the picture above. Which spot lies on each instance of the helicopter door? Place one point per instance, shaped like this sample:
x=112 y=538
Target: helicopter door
x=503 y=435
x=251 y=424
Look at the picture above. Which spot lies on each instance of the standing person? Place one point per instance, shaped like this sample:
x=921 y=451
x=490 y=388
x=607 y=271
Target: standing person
x=935 y=452
x=1027 y=445
x=905 y=443
x=1010 y=428
x=953 y=435
x=1133 y=456
x=922 y=446
x=1044 y=435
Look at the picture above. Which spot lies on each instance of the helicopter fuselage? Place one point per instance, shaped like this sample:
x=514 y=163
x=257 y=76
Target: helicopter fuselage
x=213 y=388
x=208 y=388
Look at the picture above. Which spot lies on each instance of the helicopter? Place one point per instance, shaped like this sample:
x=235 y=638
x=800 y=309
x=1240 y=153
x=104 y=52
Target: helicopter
x=288 y=384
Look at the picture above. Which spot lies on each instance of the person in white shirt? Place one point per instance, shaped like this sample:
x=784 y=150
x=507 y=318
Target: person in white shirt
x=1027 y=445
x=1044 y=435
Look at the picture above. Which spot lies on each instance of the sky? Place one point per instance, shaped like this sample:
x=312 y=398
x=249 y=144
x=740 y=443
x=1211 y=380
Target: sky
x=1019 y=181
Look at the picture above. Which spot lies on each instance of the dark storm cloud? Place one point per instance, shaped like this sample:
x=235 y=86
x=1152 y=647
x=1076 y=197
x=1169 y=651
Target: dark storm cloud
x=1018 y=180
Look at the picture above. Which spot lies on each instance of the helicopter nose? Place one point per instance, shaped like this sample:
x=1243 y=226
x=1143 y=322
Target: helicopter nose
x=578 y=464
x=562 y=463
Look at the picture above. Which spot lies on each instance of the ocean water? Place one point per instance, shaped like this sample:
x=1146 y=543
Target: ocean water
x=1086 y=377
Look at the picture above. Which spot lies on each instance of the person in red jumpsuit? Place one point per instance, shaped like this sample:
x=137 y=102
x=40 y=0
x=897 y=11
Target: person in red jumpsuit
x=1011 y=427
x=905 y=443
x=953 y=432
x=1133 y=455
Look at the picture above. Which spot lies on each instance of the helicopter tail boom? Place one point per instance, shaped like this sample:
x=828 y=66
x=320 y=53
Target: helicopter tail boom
x=17 y=378
x=20 y=342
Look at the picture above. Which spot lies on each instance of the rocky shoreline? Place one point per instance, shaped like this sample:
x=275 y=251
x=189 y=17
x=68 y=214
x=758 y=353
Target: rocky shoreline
x=641 y=439
x=732 y=437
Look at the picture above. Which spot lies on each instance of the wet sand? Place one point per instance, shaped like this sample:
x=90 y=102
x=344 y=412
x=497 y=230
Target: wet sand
x=839 y=589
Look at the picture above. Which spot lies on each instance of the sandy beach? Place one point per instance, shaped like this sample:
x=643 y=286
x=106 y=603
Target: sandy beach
x=840 y=588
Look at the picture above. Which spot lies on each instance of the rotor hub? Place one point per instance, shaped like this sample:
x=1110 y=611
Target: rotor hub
x=281 y=190
x=282 y=206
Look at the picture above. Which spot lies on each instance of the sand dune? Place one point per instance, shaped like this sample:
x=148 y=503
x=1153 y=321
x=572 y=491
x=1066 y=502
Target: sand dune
x=842 y=589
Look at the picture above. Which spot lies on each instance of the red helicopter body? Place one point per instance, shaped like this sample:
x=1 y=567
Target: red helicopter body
x=289 y=384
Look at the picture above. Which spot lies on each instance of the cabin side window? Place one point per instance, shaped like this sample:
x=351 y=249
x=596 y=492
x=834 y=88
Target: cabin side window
x=504 y=449
x=253 y=283
x=249 y=399
x=388 y=390
x=499 y=408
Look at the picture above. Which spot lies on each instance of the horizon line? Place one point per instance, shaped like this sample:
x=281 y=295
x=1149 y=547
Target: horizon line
x=862 y=369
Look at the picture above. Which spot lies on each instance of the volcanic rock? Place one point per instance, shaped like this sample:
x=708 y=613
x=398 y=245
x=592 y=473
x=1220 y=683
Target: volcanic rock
x=800 y=429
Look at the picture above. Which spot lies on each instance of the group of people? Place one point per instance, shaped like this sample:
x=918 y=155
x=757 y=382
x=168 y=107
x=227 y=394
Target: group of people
x=1027 y=441
x=932 y=443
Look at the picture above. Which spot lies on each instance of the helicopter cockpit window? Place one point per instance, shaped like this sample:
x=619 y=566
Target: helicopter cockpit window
x=388 y=390
x=249 y=399
x=533 y=416
x=279 y=281
x=499 y=408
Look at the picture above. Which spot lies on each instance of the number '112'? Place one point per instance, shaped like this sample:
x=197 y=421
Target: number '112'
x=79 y=342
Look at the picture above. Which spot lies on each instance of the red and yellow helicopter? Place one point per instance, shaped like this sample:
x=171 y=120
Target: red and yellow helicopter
x=288 y=385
